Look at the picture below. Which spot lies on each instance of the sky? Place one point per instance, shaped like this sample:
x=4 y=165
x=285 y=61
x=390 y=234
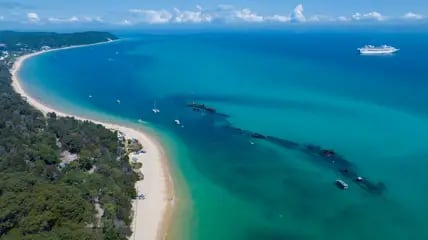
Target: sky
x=128 y=13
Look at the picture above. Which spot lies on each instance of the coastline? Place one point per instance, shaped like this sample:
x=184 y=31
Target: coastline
x=151 y=217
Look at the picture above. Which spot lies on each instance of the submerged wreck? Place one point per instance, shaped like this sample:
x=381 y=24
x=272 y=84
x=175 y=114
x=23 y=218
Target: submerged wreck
x=202 y=107
x=199 y=107
x=327 y=157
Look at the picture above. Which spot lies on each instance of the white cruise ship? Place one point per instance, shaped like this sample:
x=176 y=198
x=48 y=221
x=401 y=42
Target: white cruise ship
x=384 y=49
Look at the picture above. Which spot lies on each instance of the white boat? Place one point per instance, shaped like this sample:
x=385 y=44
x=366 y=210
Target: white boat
x=342 y=184
x=379 y=50
x=155 y=109
x=118 y=101
x=177 y=122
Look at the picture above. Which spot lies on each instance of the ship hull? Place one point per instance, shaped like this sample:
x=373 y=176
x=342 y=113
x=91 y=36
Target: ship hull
x=368 y=52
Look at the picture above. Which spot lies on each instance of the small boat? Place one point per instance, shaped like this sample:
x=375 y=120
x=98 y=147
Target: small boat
x=90 y=96
x=118 y=101
x=155 y=109
x=359 y=179
x=140 y=120
x=177 y=122
x=341 y=184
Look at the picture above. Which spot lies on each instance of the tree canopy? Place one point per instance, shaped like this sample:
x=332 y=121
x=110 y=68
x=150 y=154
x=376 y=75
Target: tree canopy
x=42 y=197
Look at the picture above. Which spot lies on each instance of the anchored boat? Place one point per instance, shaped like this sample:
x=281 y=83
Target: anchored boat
x=341 y=184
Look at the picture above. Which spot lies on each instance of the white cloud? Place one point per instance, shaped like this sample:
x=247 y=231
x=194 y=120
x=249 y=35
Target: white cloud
x=222 y=13
x=153 y=16
x=413 y=16
x=343 y=19
x=63 y=20
x=198 y=16
x=33 y=17
x=297 y=15
x=278 y=18
x=92 y=19
x=368 y=16
x=228 y=13
x=320 y=18
x=248 y=16
x=125 y=22
x=75 y=19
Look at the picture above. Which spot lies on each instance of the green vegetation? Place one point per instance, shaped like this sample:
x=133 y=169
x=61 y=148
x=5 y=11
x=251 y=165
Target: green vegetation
x=41 y=197
x=133 y=145
x=35 y=40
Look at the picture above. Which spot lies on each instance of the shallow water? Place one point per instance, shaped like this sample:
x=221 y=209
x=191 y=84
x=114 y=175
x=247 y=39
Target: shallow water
x=307 y=87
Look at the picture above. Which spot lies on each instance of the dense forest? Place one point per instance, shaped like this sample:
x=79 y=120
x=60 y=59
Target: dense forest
x=60 y=178
x=34 y=40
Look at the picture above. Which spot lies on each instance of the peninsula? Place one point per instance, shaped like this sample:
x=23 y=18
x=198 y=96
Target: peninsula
x=67 y=177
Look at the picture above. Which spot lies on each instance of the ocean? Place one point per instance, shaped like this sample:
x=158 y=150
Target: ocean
x=305 y=89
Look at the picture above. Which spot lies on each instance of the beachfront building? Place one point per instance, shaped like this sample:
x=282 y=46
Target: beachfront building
x=4 y=55
x=45 y=48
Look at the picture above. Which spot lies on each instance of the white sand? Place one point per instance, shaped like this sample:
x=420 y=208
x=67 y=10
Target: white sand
x=150 y=216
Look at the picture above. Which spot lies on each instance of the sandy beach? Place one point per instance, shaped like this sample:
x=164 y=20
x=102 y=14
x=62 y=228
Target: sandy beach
x=152 y=215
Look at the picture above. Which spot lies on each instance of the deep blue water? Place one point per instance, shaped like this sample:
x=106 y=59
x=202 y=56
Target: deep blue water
x=309 y=87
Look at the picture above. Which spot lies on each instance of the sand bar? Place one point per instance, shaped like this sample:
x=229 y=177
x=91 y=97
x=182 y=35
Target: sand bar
x=152 y=215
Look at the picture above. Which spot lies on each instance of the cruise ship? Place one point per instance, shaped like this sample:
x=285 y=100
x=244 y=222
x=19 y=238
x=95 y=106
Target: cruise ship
x=384 y=49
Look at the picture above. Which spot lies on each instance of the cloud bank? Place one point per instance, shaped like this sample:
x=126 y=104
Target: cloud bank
x=220 y=14
x=371 y=16
x=413 y=16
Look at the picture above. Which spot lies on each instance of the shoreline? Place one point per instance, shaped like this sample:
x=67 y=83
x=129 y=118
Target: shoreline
x=152 y=216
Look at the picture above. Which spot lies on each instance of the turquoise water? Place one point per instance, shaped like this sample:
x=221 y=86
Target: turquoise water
x=306 y=87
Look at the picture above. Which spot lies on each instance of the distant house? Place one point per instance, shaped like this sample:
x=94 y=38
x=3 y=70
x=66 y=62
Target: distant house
x=3 y=55
x=45 y=48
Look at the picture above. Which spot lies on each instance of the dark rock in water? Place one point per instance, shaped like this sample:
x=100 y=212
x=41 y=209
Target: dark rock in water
x=201 y=107
x=313 y=148
x=258 y=135
x=282 y=142
x=198 y=107
x=328 y=153
x=211 y=110
x=223 y=115
x=374 y=188
x=235 y=129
